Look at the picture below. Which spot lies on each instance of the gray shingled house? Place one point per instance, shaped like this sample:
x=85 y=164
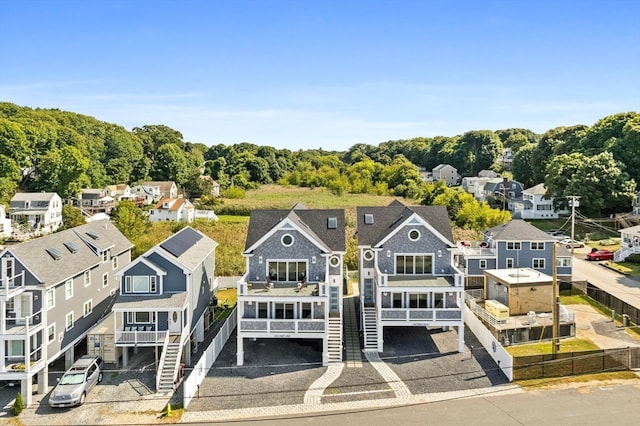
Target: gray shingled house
x=293 y=284
x=53 y=289
x=407 y=272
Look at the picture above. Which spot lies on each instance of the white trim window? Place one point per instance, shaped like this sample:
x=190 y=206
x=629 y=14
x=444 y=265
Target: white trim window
x=287 y=240
x=414 y=264
x=87 y=278
x=140 y=284
x=105 y=279
x=141 y=317
x=105 y=256
x=51 y=333
x=68 y=321
x=68 y=289
x=88 y=307
x=510 y=262
x=483 y=263
x=563 y=262
x=537 y=245
x=537 y=263
x=51 y=298
x=287 y=271
x=114 y=262
x=513 y=245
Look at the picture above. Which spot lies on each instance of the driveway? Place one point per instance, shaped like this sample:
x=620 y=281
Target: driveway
x=124 y=397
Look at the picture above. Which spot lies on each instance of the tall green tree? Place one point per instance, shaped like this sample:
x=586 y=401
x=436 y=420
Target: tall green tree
x=130 y=220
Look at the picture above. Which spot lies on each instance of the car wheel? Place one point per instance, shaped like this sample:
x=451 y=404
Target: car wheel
x=597 y=258
x=100 y=377
x=82 y=398
x=568 y=246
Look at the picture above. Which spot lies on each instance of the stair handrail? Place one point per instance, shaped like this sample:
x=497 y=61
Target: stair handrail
x=165 y=345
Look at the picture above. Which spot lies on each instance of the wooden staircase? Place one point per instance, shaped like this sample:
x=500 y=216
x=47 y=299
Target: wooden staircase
x=334 y=354
x=370 y=327
x=169 y=365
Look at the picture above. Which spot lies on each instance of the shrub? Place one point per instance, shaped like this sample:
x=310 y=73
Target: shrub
x=18 y=405
x=633 y=258
x=235 y=192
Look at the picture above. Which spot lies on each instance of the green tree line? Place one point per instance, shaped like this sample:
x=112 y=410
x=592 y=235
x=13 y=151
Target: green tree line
x=53 y=150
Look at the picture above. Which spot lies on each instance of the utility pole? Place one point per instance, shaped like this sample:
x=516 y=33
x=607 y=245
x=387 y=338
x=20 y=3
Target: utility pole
x=573 y=201
x=555 y=341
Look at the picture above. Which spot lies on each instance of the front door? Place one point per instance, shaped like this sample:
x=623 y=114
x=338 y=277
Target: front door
x=175 y=325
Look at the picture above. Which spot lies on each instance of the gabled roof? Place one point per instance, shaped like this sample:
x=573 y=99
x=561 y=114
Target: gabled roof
x=442 y=166
x=175 y=204
x=165 y=186
x=35 y=256
x=387 y=219
x=312 y=222
x=34 y=196
x=517 y=230
x=186 y=248
x=539 y=189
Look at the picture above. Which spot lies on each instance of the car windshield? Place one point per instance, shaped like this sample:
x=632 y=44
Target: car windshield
x=72 y=379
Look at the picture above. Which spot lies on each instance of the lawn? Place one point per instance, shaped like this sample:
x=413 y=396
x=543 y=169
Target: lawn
x=573 y=344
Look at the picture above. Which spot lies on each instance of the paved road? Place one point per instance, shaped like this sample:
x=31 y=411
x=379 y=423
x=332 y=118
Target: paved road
x=584 y=406
x=623 y=287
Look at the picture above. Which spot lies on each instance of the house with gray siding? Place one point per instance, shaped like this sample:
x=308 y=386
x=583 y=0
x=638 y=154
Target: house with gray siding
x=408 y=276
x=53 y=289
x=164 y=301
x=293 y=284
x=515 y=244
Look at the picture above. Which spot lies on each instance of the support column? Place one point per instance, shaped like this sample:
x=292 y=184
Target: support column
x=69 y=358
x=43 y=379
x=125 y=356
x=461 y=338
x=239 y=350
x=26 y=389
x=187 y=355
x=380 y=332
x=325 y=350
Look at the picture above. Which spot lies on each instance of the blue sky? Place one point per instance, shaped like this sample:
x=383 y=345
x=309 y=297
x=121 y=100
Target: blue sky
x=303 y=74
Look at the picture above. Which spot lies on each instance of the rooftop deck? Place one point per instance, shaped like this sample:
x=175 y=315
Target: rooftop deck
x=419 y=281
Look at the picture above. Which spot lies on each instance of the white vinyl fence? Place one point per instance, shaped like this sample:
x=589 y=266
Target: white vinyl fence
x=192 y=383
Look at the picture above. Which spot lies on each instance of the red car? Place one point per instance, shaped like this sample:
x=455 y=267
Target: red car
x=600 y=255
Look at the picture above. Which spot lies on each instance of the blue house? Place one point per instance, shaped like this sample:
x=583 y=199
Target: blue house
x=407 y=273
x=164 y=297
x=515 y=244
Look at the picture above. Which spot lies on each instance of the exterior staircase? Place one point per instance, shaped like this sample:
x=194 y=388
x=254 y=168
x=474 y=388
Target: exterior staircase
x=625 y=252
x=169 y=365
x=334 y=354
x=370 y=326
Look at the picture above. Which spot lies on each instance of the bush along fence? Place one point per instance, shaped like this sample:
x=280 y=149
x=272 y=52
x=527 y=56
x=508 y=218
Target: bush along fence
x=575 y=363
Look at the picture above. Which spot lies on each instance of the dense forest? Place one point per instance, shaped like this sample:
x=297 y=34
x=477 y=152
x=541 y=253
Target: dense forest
x=53 y=150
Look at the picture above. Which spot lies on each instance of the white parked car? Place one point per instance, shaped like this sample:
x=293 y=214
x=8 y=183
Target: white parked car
x=569 y=243
x=74 y=385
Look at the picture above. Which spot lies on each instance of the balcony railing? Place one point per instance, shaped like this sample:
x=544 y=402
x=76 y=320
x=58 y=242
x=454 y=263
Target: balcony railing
x=276 y=326
x=22 y=325
x=418 y=315
x=140 y=336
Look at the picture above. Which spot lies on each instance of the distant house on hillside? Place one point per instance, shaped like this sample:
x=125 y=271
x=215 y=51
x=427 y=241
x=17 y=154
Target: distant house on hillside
x=535 y=204
x=40 y=211
x=447 y=173
x=176 y=209
x=5 y=224
x=153 y=191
